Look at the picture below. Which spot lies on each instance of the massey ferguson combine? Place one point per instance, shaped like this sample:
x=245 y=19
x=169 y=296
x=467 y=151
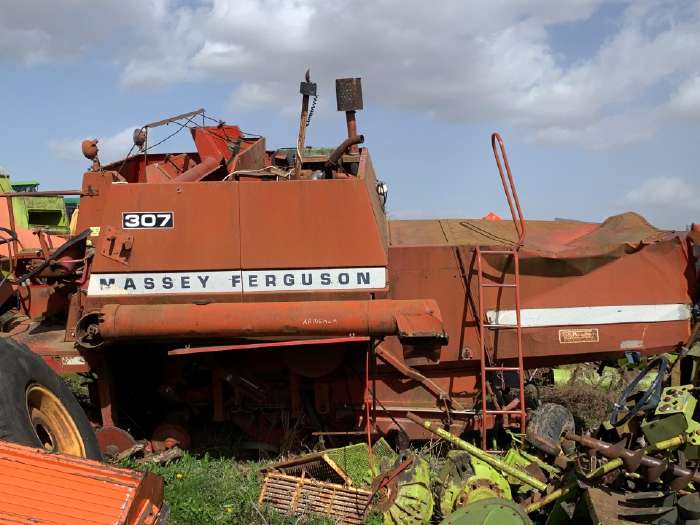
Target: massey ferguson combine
x=269 y=289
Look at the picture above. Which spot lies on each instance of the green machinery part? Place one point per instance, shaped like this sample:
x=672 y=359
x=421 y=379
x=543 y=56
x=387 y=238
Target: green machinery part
x=465 y=479
x=407 y=500
x=45 y=212
x=674 y=415
x=354 y=461
x=491 y=511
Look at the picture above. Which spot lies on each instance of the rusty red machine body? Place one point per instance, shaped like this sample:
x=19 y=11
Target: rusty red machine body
x=228 y=284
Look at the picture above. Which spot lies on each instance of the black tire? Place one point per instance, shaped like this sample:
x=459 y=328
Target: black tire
x=20 y=368
x=546 y=427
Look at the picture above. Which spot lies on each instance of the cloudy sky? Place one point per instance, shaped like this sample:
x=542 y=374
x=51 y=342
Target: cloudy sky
x=598 y=101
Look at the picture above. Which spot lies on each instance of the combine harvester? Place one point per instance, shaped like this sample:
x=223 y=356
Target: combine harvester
x=269 y=289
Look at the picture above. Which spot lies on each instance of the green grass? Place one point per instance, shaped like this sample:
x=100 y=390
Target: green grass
x=208 y=491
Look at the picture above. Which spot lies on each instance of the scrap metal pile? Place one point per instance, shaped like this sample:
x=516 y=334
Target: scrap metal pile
x=642 y=465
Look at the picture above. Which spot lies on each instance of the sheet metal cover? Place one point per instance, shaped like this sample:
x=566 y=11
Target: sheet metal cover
x=616 y=236
x=41 y=488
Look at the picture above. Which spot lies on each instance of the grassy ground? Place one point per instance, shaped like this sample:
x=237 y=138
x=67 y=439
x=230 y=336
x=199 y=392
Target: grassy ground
x=206 y=491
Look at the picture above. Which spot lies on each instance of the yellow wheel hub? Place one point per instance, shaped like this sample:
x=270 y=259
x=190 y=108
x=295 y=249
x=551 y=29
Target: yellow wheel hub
x=52 y=422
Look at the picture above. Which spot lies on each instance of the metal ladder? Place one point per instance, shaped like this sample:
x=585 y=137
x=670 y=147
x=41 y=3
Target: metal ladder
x=486 y=365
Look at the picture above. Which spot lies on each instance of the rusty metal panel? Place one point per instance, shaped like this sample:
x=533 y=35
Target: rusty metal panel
x=308 y=224
x=367 y=174
x=433 y=272
x=216 y=142
x=205 y=235
x=41 y=488
x=62 y=356
x=550 y=284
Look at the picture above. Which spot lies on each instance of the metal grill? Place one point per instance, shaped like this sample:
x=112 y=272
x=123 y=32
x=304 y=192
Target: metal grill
x=317 y=466
x=300 y=495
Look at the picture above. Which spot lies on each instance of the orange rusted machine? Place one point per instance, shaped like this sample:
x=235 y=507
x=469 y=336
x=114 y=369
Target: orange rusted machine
x=41 y=488
x=236 y=283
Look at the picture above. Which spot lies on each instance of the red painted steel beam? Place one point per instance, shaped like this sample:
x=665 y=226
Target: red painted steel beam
x=378 y=318
x=189 y=350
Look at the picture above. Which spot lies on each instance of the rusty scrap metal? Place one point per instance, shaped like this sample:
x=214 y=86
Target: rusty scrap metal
x=113 y=440
x=632 y=460
x=169 y=120
x=410 y=372
x=508 y=186
x=344 y=146
x=384 y=480
x=318 y=465
x=553 y=496
x=348 y=95
x=300 y=495
x=307 y=89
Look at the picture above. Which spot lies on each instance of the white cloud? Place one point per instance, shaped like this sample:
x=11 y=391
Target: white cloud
x=463 y=61
x=686 y=100
x=607 y=132
x=253 y=96
x=30 y=46
x=111 y=148
x=39 y=31
x=664 y=192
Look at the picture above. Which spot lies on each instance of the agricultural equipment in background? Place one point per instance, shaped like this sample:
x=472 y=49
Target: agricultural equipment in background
x=269 y=289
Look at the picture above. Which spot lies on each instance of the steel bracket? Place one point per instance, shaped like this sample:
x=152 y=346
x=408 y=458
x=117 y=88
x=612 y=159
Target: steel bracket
x=117 y=246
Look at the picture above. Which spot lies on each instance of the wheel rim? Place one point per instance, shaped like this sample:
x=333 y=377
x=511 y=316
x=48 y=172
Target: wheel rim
x=52 y=423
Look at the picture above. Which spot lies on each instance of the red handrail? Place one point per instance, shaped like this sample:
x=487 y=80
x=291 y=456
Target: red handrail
x=509 y=186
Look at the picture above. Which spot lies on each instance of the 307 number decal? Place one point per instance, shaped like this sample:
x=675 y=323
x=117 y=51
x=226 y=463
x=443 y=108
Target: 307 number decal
x=144 y=219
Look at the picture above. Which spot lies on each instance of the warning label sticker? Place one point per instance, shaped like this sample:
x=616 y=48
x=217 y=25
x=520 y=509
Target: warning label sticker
x=578 y=335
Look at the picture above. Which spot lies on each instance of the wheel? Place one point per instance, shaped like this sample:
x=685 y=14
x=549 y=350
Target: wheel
x=644 y=402
x=37 y=408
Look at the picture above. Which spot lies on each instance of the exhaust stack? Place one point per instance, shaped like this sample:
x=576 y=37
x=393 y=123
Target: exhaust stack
x=348 y=95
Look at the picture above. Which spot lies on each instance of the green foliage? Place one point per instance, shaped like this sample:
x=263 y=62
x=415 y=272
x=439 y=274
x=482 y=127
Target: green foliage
x=78 y=385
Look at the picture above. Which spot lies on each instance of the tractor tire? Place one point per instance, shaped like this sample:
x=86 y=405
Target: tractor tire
x=546 y=427
x=36 y=407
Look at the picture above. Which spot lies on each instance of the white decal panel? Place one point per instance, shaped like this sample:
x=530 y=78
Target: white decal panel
x=144 y=220
x=248 y=281
x=591 y=315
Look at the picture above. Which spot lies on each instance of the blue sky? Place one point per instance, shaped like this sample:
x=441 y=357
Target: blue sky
x=599 y=102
